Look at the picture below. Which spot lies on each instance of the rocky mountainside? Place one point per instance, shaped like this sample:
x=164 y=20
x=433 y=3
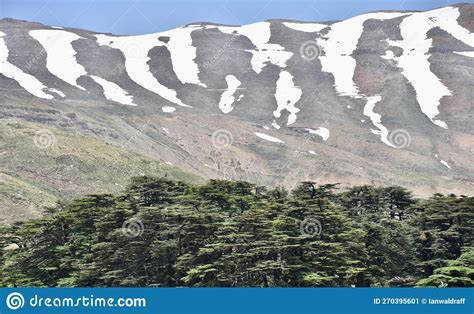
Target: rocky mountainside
x=380 y=98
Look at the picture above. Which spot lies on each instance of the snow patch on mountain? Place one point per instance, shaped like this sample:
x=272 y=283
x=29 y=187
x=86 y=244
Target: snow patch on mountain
x=30 y=83
x=444 y=163
x=268 y=137
x=135 y=50
x=446 y=19
x=56 y=91
x=178 y=42
x=389 y=55
x=414 y=61
x=167 y=109
x=376 y=119
x=305 y=27
x=465 y=53
x=259 y=34
x=287 y=95
x=272 y=53
x=227 y=97
x=183 y=54
x=60 y=55
x=321 y=131
x=114 y=92
x=339 y=44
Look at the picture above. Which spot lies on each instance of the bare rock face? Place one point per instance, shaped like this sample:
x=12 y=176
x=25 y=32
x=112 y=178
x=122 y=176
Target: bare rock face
x=383 y=98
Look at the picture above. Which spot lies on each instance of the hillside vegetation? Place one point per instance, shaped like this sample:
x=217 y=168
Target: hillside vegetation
x=40 y=165
x=161 y=232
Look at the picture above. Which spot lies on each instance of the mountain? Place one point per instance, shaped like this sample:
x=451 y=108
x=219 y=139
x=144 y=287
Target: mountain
x=381 y=98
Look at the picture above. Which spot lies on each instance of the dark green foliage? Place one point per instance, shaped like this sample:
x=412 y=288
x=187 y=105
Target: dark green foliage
x=161 y=232
x=446 y=225
x=458 y=273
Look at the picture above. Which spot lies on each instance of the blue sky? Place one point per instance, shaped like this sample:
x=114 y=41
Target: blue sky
x=146 y=16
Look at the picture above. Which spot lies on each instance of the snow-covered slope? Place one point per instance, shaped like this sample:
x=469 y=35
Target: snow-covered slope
x=60 y=60
x=372 y=96
x=415 y=57
x=30 y=83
